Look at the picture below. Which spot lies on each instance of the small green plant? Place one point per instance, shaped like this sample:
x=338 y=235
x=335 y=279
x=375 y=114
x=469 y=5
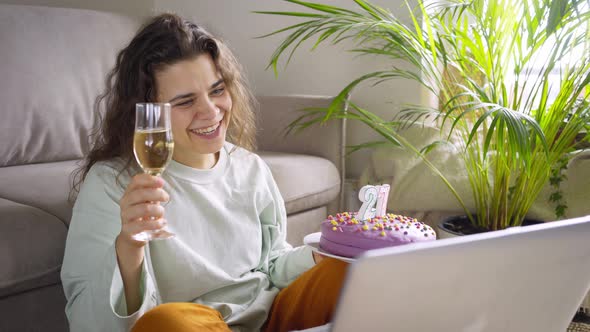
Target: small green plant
x=491 y=63
x=557 y=177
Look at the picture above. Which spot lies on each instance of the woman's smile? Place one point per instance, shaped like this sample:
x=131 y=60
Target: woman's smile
x=209 y=132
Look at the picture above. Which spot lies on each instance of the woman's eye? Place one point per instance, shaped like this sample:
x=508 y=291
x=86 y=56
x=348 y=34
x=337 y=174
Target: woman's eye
x=218 y=92
x=185 y=103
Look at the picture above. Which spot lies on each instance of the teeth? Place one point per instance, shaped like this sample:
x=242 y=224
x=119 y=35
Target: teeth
x=207 y=130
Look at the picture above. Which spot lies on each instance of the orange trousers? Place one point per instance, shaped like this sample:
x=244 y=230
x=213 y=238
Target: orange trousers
x=309 y=301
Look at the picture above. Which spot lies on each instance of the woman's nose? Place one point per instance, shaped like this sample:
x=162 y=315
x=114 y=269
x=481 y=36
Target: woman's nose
x=208 y=110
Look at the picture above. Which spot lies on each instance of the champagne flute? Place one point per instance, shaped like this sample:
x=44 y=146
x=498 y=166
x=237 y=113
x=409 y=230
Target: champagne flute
x=153 y=147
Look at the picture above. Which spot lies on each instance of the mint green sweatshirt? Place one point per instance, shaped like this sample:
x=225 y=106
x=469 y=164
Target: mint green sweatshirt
x=229 y=253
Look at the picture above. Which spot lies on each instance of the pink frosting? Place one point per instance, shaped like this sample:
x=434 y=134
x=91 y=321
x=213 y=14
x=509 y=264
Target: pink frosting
x=344 y=235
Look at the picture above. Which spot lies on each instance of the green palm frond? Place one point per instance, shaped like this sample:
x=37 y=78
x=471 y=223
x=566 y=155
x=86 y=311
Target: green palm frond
x=490 y=62
x=368 y=145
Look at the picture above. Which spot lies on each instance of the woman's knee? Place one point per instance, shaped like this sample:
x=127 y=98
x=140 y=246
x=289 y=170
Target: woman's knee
x=331 y=270
x=181 y=317
x=334 y=264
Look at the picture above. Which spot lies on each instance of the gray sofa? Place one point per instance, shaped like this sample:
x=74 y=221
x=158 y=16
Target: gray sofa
x=52 y=65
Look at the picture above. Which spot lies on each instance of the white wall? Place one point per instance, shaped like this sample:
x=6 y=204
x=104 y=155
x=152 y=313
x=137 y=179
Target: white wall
x=324 y=71
x=140 y=8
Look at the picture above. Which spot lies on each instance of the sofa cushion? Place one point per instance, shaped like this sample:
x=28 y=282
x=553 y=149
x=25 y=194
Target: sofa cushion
x=306 y=182
x=44 y=186
x=32 y=247
x=50 y=84
x=277 y=112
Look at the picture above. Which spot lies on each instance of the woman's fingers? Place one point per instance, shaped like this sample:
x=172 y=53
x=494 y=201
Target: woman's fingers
x=142 y=195
x=139 y=226
x=317 y=257
x=144 y=188
x=142 y=211
x=144 y=180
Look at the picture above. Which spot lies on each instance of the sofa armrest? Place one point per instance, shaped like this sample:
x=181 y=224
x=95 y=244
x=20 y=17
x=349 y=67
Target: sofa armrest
x=326 y=140
x=277 y=112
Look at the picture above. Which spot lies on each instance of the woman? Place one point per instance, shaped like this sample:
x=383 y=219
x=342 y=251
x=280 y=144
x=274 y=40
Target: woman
x=229 y=258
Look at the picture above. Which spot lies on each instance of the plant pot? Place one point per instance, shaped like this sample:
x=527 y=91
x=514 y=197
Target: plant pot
x=460 y=225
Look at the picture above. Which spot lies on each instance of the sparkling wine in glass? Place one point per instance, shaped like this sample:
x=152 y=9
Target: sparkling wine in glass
x=153 y=146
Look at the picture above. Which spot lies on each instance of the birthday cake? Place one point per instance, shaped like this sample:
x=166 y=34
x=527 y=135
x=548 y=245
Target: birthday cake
x=349 y=234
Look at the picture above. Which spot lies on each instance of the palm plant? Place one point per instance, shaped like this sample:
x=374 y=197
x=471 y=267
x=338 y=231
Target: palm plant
x=491 y=63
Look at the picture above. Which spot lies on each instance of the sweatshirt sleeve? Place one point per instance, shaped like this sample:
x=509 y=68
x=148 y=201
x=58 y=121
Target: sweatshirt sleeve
x=284 y=263
x=90 y=273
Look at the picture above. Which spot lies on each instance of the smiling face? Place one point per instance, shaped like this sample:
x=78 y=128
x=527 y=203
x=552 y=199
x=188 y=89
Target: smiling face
x=200 y=109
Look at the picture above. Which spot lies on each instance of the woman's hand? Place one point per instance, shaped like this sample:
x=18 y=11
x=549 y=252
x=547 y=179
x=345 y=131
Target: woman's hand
x=141 y=209
x=317 y=257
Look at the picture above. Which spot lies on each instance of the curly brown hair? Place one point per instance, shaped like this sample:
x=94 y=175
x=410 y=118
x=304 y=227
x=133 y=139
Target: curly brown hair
x=163 y=41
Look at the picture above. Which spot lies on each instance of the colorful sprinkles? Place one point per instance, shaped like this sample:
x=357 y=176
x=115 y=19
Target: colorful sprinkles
x=397 y=226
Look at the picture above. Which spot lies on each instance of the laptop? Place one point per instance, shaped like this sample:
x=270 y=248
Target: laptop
x=522 y=279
